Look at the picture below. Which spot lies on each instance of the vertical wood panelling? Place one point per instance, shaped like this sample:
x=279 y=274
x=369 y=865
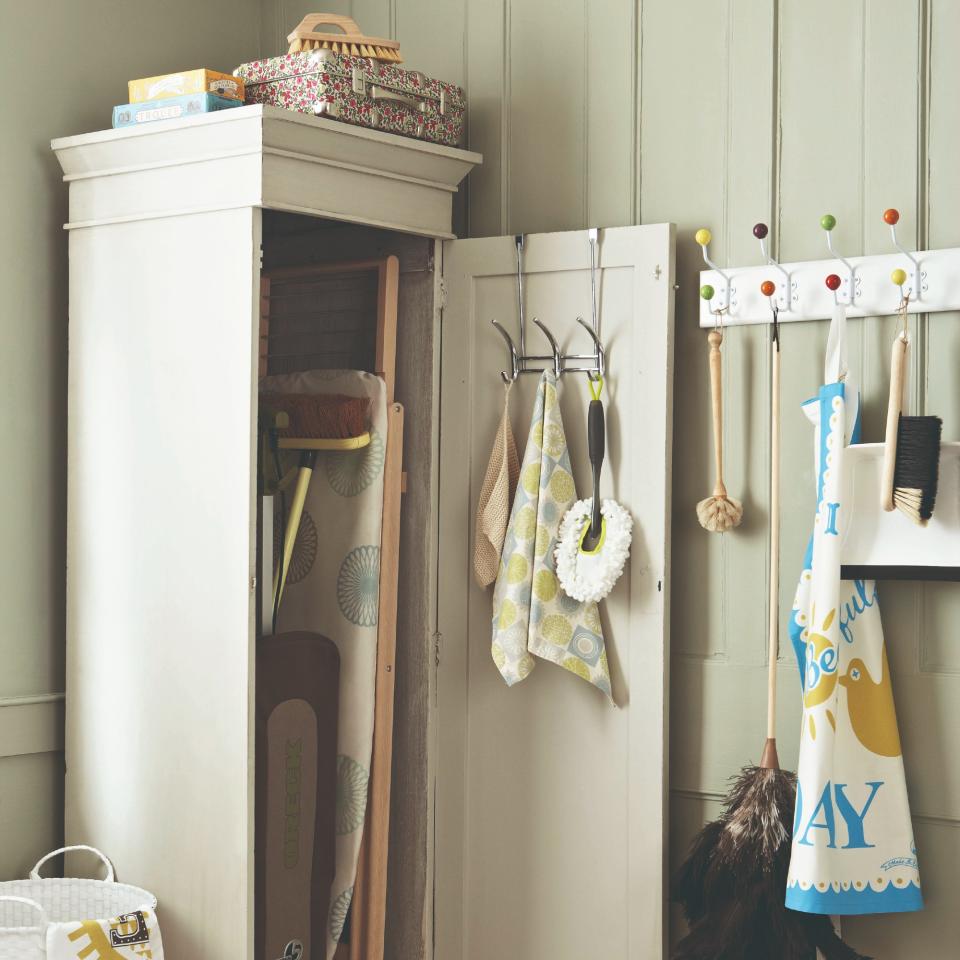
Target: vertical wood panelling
x=547 y=145
x=748 y=110
x=420 y=23
x=611 y=44
x=279 y=17
x=683 y=177
x=486 y=79
x=598 y=112
x=749 y=160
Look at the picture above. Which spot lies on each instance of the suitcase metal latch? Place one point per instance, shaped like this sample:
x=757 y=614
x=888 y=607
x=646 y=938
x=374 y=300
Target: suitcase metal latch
x=358 y=83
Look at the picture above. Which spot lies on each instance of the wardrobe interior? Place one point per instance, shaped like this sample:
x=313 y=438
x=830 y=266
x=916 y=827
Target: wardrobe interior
x=328 y=320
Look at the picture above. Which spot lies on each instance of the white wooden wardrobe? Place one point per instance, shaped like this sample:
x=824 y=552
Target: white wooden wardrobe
x=526 y=823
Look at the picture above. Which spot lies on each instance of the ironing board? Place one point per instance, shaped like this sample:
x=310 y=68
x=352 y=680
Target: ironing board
x=301 y=320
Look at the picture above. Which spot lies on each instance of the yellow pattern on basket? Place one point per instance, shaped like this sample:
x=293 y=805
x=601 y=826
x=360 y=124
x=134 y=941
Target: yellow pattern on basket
x=99 y=947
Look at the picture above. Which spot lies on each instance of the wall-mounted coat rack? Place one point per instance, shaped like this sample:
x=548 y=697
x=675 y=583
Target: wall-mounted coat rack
x=593 y=364
x=928 y=280
x=878 y=542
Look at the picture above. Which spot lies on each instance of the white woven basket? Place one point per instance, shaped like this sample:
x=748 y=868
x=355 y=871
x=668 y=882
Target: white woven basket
x=42 y=919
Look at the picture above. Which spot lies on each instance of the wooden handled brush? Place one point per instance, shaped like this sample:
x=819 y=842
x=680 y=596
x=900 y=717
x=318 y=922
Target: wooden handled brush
x=348 y=41
x=911 y=452
x=307 y=423
x=719 y=512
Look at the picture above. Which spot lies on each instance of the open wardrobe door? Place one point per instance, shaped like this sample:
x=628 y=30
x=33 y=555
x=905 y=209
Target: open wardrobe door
x=551 y=829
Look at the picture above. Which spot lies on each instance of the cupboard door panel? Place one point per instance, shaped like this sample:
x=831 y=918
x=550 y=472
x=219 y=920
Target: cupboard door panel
x=160 y=563
x=550 y=838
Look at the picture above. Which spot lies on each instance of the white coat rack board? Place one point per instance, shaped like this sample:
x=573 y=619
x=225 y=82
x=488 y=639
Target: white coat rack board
x=877 y=544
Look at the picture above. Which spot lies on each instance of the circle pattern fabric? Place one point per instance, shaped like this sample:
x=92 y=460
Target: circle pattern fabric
x=350 y=472
x=358 y=586
x=338 y=914
x=352 y=782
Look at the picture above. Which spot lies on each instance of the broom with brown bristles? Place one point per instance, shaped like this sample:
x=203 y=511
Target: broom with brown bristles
x=733 y=883
x=349 y=41
x=307 y=423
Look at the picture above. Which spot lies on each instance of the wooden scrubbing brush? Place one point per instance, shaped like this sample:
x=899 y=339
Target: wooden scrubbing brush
x=350 y=41
x=718 y=512
x=911 y=453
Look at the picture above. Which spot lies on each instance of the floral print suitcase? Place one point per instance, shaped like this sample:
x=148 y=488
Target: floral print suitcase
x=359 y=90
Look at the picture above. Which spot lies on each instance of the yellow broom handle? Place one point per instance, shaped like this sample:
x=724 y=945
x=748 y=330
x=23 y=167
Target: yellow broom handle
x=293 y=526
x=774 y=545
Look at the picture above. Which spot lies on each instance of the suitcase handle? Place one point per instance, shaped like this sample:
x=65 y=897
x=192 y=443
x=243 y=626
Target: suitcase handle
x=382 y=93
x=376 y=92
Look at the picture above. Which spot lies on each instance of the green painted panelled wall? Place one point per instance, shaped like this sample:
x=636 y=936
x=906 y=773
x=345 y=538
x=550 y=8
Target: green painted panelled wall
x=67 y=64
x=722 y=113
x=588 y=112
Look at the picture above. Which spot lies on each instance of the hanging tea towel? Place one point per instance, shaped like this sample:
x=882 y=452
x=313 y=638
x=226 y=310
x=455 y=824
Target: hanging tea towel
x=853 y=849
x=531 y=614
x=496 y=497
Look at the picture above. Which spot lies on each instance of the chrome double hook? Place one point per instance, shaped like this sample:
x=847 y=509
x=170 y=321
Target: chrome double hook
x=520 y=360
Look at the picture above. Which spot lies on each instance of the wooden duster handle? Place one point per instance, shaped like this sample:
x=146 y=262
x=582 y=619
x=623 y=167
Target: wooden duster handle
x=715 y=338
x=898 y=358
x=774 y=633
x=769 y=759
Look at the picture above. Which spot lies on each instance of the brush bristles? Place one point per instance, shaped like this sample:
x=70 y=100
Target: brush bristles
x=347 y=48
x=917 y=467
x=320 y=416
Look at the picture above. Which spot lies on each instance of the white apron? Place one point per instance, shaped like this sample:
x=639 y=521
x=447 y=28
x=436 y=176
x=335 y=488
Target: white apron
x=853 y=849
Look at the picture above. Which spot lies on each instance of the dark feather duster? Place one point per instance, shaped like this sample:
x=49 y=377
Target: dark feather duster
x=733 y=883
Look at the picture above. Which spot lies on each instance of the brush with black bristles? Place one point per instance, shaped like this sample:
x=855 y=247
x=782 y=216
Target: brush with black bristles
x=733 y=884
x=911 y=455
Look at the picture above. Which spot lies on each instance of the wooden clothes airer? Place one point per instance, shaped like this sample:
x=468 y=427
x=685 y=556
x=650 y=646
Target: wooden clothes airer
x=368 y=908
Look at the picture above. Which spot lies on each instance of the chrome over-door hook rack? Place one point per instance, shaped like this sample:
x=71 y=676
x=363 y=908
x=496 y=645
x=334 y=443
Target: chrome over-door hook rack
x=593 y=364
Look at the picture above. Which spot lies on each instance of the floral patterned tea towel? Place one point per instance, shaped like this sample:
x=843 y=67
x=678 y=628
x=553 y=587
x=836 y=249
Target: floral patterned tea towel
x=532 y=616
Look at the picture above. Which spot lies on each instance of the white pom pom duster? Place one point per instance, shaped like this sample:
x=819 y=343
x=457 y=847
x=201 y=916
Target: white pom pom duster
x=590 y=575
